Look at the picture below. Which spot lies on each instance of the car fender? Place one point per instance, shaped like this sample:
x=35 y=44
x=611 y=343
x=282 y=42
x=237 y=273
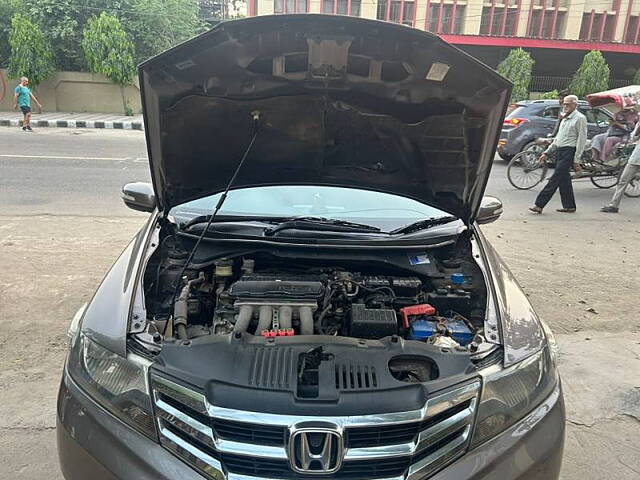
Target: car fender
x=106 y=317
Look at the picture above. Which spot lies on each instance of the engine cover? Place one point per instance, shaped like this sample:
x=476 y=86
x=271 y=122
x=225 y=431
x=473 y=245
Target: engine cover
x=275 y=287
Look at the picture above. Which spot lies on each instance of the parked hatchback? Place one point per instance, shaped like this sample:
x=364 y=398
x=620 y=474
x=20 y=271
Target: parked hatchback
x=311 y=296
x=532 y=119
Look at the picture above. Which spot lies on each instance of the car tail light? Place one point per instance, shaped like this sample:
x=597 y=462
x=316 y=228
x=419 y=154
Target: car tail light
x=515 y=121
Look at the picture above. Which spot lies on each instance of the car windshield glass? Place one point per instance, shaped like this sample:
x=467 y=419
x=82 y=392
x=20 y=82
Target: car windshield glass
x=518 y=112
x=378 y=209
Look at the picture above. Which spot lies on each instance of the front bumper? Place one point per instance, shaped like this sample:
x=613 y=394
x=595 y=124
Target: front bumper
x=94 y=444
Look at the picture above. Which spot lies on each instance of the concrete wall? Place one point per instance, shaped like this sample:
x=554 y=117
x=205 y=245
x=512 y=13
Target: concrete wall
x=78 y=92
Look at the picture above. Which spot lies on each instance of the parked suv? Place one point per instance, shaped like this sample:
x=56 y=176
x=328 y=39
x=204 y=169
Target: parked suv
x=312 y=296
x=529 y=120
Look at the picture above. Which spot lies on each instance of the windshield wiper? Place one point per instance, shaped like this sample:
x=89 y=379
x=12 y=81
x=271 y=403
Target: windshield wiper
x=230 y=218
x=321 y=224
x=423 y=224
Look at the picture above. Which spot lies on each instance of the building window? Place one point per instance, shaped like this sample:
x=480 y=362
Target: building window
x=397 y=11
x=598 y=27
x=445 y=18
x=290 y=6
x=499 y=20
x=633 y=30
x=546 y=23
x=342 y=7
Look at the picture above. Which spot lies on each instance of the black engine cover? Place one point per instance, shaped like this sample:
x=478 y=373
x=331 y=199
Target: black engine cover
x=267 y=286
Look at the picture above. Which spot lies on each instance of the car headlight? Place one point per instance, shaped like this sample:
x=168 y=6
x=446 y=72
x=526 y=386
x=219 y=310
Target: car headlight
x=119 y=384
x=509 y=394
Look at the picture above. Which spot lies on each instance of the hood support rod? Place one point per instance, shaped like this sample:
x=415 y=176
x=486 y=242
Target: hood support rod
x=256 y=123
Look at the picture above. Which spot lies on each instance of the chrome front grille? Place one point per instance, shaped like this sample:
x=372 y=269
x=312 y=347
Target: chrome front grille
x=239 y=445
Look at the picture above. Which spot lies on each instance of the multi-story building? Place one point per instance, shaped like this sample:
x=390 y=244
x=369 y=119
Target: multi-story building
x=556 y=32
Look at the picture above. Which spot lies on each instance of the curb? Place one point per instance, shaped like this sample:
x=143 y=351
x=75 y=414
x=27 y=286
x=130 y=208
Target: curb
x=76 y=124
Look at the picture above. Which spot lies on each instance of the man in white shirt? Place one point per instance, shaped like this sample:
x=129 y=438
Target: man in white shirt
x=631 y=170
x=568 y=144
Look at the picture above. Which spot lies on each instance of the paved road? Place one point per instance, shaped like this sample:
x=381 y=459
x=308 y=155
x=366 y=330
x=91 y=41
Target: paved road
x=62 y=224
x=80 y=172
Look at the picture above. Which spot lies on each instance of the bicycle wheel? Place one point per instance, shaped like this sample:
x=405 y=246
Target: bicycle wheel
x=607 y=180
x=633 y=188
x=525 y=170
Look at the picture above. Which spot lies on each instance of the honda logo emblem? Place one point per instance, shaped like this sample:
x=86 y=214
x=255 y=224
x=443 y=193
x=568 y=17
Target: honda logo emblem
x=315 y=450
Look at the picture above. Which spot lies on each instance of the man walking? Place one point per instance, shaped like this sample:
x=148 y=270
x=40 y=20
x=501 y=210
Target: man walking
x=629 y=173
x=22 y=98
x=568 y=145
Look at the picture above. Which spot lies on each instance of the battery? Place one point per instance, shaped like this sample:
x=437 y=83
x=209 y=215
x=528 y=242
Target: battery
x=422 y=329
x=457 y=330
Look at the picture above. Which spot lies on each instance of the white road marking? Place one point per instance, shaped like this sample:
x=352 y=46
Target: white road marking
x=61 y=157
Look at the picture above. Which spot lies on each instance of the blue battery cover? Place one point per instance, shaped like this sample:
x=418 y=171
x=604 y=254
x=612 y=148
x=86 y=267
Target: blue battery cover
x=459 y=331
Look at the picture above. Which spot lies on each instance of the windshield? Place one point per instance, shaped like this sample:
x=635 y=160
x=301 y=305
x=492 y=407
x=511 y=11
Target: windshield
x=378 y=209
x=518 y=111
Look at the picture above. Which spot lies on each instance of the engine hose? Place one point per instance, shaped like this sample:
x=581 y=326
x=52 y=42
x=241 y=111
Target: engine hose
x=244 y=318
x=306 y=321
x=181 y=331
x=285 y=316
x=181 y=309
x=265 y=318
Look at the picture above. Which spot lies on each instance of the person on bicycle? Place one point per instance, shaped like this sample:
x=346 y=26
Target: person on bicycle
x=629 y=173
x=620 y=127
x=568 y=145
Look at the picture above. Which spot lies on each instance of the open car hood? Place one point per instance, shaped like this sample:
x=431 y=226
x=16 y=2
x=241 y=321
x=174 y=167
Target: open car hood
x=341 y=101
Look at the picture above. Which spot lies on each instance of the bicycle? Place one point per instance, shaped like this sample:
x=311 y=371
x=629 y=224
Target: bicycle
x=525 y=170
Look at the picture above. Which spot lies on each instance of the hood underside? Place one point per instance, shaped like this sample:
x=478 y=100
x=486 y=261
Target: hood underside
x=340 y=101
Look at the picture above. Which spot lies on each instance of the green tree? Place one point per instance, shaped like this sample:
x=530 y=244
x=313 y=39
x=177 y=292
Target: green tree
x=109 y=51
x=517 y=67
x=8 y=8
x=592 y=76
x=552 y=95
x=31 y=54
x=161 y=24
x=61 y=22
x=636 y=78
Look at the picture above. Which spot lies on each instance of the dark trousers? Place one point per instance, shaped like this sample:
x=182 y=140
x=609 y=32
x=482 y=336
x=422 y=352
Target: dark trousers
x=561 y=178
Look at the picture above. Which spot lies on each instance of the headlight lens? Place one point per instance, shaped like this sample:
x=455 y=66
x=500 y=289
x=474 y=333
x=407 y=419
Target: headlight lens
x=118 y=384
x=508 y=394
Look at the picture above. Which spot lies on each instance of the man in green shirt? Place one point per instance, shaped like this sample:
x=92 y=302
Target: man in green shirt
x=22 y=98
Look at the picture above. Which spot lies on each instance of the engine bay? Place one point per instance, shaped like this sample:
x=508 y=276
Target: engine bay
x=436 y=296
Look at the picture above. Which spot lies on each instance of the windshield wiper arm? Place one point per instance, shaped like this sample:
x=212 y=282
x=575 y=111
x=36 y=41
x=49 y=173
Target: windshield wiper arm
x=321 y=224
x=423 y=224
x=229 y=218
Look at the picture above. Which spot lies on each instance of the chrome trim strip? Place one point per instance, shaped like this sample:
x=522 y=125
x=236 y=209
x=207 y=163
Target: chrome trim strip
x=450 y=399
x=208 y=464
x=425 y=438
x=184 y=395
x=251 y=449
x=221 y=445
x=423 y=467
x=383 y=451
x=445 y=427
x=184 y=418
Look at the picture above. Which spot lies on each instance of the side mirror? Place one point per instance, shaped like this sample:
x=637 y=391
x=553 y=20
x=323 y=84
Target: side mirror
x=490 y=210
x=139 y=196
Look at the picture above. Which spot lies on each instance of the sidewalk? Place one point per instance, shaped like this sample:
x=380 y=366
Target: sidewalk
x=74 y=120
